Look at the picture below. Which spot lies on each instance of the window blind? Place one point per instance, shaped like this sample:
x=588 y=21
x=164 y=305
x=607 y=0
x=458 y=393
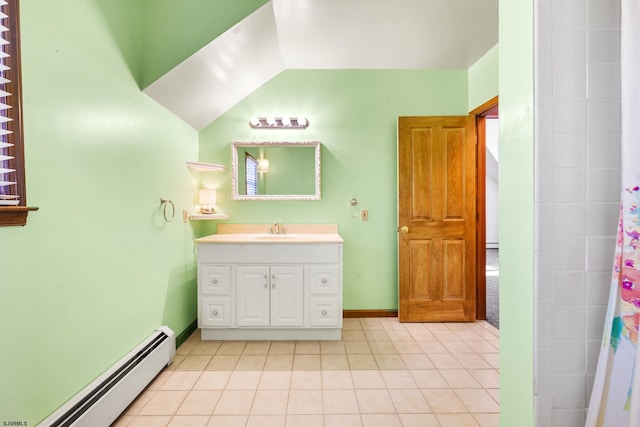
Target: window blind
x=251 y=171
x=9 y=191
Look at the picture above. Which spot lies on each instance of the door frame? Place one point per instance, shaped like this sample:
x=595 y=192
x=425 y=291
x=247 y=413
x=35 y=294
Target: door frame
x=488 y=109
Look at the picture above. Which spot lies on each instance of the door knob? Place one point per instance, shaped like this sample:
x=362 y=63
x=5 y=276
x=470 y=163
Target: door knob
x=404 y=229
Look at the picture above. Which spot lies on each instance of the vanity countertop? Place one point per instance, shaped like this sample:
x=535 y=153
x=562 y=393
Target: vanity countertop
x=259 y=233
x=271 y=238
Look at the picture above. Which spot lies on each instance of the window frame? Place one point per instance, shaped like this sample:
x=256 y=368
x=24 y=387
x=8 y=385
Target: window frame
x=15 y=215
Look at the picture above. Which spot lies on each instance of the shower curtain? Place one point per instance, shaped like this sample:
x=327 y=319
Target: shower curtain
x=615 y=399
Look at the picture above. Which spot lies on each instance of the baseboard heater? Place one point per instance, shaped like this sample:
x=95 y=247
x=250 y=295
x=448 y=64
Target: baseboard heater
x=102 y=401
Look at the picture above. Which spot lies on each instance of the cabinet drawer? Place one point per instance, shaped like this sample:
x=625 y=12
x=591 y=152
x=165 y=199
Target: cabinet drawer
x=215 y=279
x=325 y=279
x=215 y=312
x=325 y=312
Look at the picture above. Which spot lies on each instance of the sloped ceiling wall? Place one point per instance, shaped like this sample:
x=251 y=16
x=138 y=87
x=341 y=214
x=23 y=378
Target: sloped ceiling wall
x=173 y=30
x=331 y=34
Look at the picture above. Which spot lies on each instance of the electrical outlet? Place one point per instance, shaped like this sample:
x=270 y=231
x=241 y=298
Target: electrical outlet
x=185 y=216
x=364 y=215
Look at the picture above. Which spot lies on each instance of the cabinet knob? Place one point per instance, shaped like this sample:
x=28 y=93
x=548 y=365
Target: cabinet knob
x=215 y=313
x=214 y=281
x=324 y=281
x=324 y=312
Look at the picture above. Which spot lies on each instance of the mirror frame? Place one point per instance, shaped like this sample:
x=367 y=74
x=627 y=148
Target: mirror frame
x=267 y=144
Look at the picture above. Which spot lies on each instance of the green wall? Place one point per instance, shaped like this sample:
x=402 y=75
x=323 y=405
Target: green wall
x=483 y=79
x=353 y=113
x=292 y=170
x=516 y=70
x=510 y=73
x=173 y=31
x=96 y=269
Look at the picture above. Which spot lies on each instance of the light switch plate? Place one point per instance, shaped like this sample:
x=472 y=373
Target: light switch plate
x=364 y=215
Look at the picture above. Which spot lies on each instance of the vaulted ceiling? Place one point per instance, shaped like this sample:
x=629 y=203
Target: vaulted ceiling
x=325 y=34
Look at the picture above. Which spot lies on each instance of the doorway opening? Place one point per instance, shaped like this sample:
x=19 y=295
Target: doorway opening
x=492 y=269
x=488 y=273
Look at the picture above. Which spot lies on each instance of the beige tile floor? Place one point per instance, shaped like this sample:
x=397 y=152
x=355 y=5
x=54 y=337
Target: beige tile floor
x=382 y=373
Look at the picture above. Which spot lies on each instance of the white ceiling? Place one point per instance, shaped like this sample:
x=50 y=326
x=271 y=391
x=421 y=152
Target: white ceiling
x=325 y=34
x=409 y=34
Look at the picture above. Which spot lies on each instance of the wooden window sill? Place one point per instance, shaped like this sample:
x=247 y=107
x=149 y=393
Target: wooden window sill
x=15 y=215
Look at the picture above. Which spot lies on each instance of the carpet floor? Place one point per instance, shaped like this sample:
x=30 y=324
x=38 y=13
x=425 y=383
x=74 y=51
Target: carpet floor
x=493 y=279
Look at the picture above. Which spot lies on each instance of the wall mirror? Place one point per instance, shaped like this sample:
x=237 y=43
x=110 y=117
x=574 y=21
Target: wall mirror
x=275 y=170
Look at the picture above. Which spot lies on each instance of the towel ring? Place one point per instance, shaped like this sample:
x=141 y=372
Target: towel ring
x=165 y=203
x=353 y=210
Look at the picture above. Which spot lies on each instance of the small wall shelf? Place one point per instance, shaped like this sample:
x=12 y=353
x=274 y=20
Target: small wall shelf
x=205 y=167
x=188 y=216
x=201 y=217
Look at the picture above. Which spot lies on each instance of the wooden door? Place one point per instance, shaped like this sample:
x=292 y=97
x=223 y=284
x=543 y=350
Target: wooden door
x=437 y=219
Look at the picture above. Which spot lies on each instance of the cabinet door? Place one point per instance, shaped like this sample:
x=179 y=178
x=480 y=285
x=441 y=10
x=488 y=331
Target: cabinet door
x=287 y=293
x=252 y=295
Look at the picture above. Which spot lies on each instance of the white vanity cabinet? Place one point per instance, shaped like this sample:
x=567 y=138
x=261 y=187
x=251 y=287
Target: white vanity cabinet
x=257 y=287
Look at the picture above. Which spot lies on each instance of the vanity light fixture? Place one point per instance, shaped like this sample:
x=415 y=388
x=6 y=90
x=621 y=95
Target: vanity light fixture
x=207 y=199
x=279 y=122
x=263 y=165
